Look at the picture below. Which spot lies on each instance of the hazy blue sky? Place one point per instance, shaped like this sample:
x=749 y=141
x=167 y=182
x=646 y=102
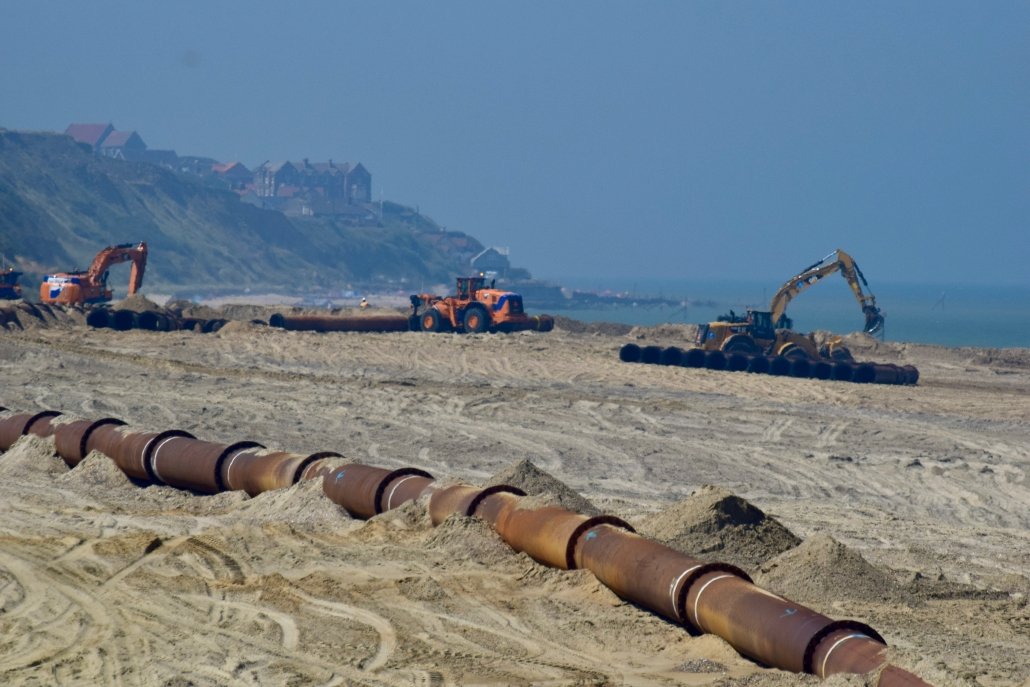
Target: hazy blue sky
x=679 y=139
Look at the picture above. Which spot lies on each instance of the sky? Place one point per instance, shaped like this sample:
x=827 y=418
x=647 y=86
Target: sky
x=595 y=140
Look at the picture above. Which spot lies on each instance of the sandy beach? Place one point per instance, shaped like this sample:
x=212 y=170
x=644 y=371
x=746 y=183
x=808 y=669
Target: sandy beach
x=905 y=507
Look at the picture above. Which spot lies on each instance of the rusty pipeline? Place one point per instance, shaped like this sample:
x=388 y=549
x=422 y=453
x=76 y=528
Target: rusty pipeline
x=319 y=323
x=188 y=463
x=629 y=353
x=642 y=571
x=759 y=624
x=213 y=325
x=71 y=438
x=365 y=491
x=911 y=374
x=15 y=426
x=259 y=470
x=695 y=357
x=130 y=449
x=549 y=534
x=465 y=500
x=319 y=465
x=873 y=373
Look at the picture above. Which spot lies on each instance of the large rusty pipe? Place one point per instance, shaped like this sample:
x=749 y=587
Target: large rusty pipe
x=873 y=373
x=757 y=623
x=15 y=426
x=130 y=449
x=193 y=464
x=695 y=357
x=466 y=500
x=360 y=488
x=317 y=323
x=318 y=465
x=629 y=353
x=643 y=571
x=259 y=470
x=532 y=323
x=548 y=534
x=71 y=438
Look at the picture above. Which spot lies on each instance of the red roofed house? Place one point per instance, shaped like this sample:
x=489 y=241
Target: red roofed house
x=235 y=175
x=91 y=134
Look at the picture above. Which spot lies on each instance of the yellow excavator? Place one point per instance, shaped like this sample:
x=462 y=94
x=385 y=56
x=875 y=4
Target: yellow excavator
x=769 y=331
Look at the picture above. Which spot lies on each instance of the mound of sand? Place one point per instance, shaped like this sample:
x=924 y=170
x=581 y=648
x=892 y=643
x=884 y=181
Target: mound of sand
x=31 y=455
x=714 y=524
x=137 y=302
x=97 y=472
x=470 y=539
x=551 y=491
x=822 y=570
x=568 y=324
x=303 y=506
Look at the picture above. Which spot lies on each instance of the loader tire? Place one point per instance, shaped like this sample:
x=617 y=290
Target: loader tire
x=740 y=343
x=431 y=321
x=476 y=320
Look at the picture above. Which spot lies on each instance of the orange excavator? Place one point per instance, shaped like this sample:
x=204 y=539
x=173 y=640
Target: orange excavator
x=90 y=286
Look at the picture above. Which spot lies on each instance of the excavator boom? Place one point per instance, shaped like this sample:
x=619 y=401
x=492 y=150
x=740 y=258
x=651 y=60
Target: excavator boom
x=91 y=286
x=846 y=265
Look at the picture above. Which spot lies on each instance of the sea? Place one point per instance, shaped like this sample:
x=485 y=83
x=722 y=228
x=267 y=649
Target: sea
x=979 y=315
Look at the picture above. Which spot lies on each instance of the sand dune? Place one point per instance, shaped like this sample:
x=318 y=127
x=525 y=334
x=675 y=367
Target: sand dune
x=904 y=507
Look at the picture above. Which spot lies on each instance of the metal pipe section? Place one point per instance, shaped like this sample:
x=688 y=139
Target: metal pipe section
x=123 y=320
x=318 y=465
x=800 y=368
x=715 y=360
x=153 y=321
x=319 y=323
x=695 y=357
x=629 y=353
x=256 y=471
x=188 y=463
x=758 y=364
x=362 y=489
x=672 y=356
x=822 y=370
x=779 y=366
x=736 y=362
x=842 y=372
x=13 y=427
x=651 y=355
x=99 y=318
x=71 y=438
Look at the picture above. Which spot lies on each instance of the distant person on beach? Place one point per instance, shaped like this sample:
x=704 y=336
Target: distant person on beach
x=363 y=304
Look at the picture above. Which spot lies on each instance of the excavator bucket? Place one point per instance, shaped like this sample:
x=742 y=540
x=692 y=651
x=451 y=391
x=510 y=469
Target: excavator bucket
x=873 y=320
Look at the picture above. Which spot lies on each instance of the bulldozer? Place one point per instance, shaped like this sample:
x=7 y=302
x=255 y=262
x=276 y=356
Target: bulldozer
x=770 y=331
x=90 y=286
x=473 y=309
x=9 y=287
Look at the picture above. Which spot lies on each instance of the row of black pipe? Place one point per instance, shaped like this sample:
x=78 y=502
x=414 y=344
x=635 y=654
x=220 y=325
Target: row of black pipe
x=150 y=320
x=800 y=367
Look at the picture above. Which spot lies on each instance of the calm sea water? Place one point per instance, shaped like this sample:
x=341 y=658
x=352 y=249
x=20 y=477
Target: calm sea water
x=952 y=315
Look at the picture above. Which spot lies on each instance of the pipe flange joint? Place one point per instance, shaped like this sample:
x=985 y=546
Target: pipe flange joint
x=819 y=636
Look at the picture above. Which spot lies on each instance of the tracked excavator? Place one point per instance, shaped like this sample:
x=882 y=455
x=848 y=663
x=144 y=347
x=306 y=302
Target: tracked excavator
x=90 y=286
x=770 y=331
